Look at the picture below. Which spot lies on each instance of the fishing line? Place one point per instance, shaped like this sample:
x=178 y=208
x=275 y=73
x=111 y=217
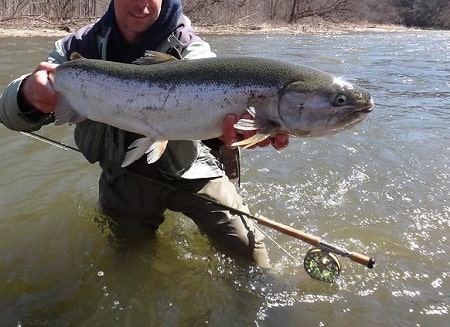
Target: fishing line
x=293 y=259
x=321 y=262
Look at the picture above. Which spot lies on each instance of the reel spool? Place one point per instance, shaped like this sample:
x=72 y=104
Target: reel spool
x=322 y=265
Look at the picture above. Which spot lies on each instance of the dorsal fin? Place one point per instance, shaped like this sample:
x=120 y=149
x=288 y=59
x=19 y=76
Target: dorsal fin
x=75 y=56
x=153 y=57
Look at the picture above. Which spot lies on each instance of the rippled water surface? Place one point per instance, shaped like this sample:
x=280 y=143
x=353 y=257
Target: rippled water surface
x=380 y=189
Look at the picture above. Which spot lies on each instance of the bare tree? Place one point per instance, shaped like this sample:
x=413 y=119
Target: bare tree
x=14 y=8
x=419 y=13
x=273 y=8
x=49 y=11
x=422 y=13
x=63 y=9
x=331 y=10
x=217 y=11
x=377 y=11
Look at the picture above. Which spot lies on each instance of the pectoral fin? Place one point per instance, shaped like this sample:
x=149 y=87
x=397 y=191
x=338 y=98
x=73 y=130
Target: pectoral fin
x=246 y=125
x=64 y=113
x=255 y=139
x=153 y=149
x=264 y=127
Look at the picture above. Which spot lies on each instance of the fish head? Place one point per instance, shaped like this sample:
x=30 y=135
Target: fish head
x=326 y=106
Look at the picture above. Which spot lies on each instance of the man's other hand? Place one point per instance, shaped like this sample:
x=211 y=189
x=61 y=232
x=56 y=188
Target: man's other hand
x=231 y=135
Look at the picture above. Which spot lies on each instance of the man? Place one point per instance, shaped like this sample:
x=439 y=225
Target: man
x=123 y=34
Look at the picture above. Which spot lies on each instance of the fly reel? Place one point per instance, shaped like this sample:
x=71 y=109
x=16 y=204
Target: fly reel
x=322 y=265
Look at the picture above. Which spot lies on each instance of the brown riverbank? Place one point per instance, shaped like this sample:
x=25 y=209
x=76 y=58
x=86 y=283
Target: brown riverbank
x=32 y=28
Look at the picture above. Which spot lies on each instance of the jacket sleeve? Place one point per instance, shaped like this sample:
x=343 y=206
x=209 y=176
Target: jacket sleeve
x=10 y=113
x=186 y=42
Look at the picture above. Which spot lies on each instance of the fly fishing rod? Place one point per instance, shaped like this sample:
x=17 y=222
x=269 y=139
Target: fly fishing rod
x=321 y=262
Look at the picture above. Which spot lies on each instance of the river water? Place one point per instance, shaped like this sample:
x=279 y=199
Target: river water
x=380 y=189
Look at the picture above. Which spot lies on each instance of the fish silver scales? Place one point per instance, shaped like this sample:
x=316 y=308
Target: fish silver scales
x=188 y=100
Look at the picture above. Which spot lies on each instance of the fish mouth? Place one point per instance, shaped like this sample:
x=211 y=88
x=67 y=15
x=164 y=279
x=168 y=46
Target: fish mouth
x=352 y=117
x=367 y=109
x=356 y=115
x=359 y=112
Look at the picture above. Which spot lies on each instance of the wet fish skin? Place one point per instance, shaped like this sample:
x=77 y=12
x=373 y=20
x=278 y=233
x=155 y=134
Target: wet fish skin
x=188 y=100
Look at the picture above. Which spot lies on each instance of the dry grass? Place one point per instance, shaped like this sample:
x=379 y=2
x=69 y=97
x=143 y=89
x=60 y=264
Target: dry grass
x=32 y=26
x=37 y=26
x=331 y=28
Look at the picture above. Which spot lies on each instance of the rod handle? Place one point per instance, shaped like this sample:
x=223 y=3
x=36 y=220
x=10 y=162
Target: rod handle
x=305 y=237
x=369 y=262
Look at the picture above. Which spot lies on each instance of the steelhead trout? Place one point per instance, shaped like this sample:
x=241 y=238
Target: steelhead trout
x=189 y=99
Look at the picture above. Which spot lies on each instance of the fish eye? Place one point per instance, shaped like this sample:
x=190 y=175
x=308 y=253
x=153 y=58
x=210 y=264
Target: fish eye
x=340 y=99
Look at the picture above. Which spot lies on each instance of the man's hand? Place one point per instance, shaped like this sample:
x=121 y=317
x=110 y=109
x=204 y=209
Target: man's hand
x=37 y=90
x=230 y=134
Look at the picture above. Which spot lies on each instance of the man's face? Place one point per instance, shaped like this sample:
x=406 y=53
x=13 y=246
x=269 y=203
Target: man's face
x=135 y=16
